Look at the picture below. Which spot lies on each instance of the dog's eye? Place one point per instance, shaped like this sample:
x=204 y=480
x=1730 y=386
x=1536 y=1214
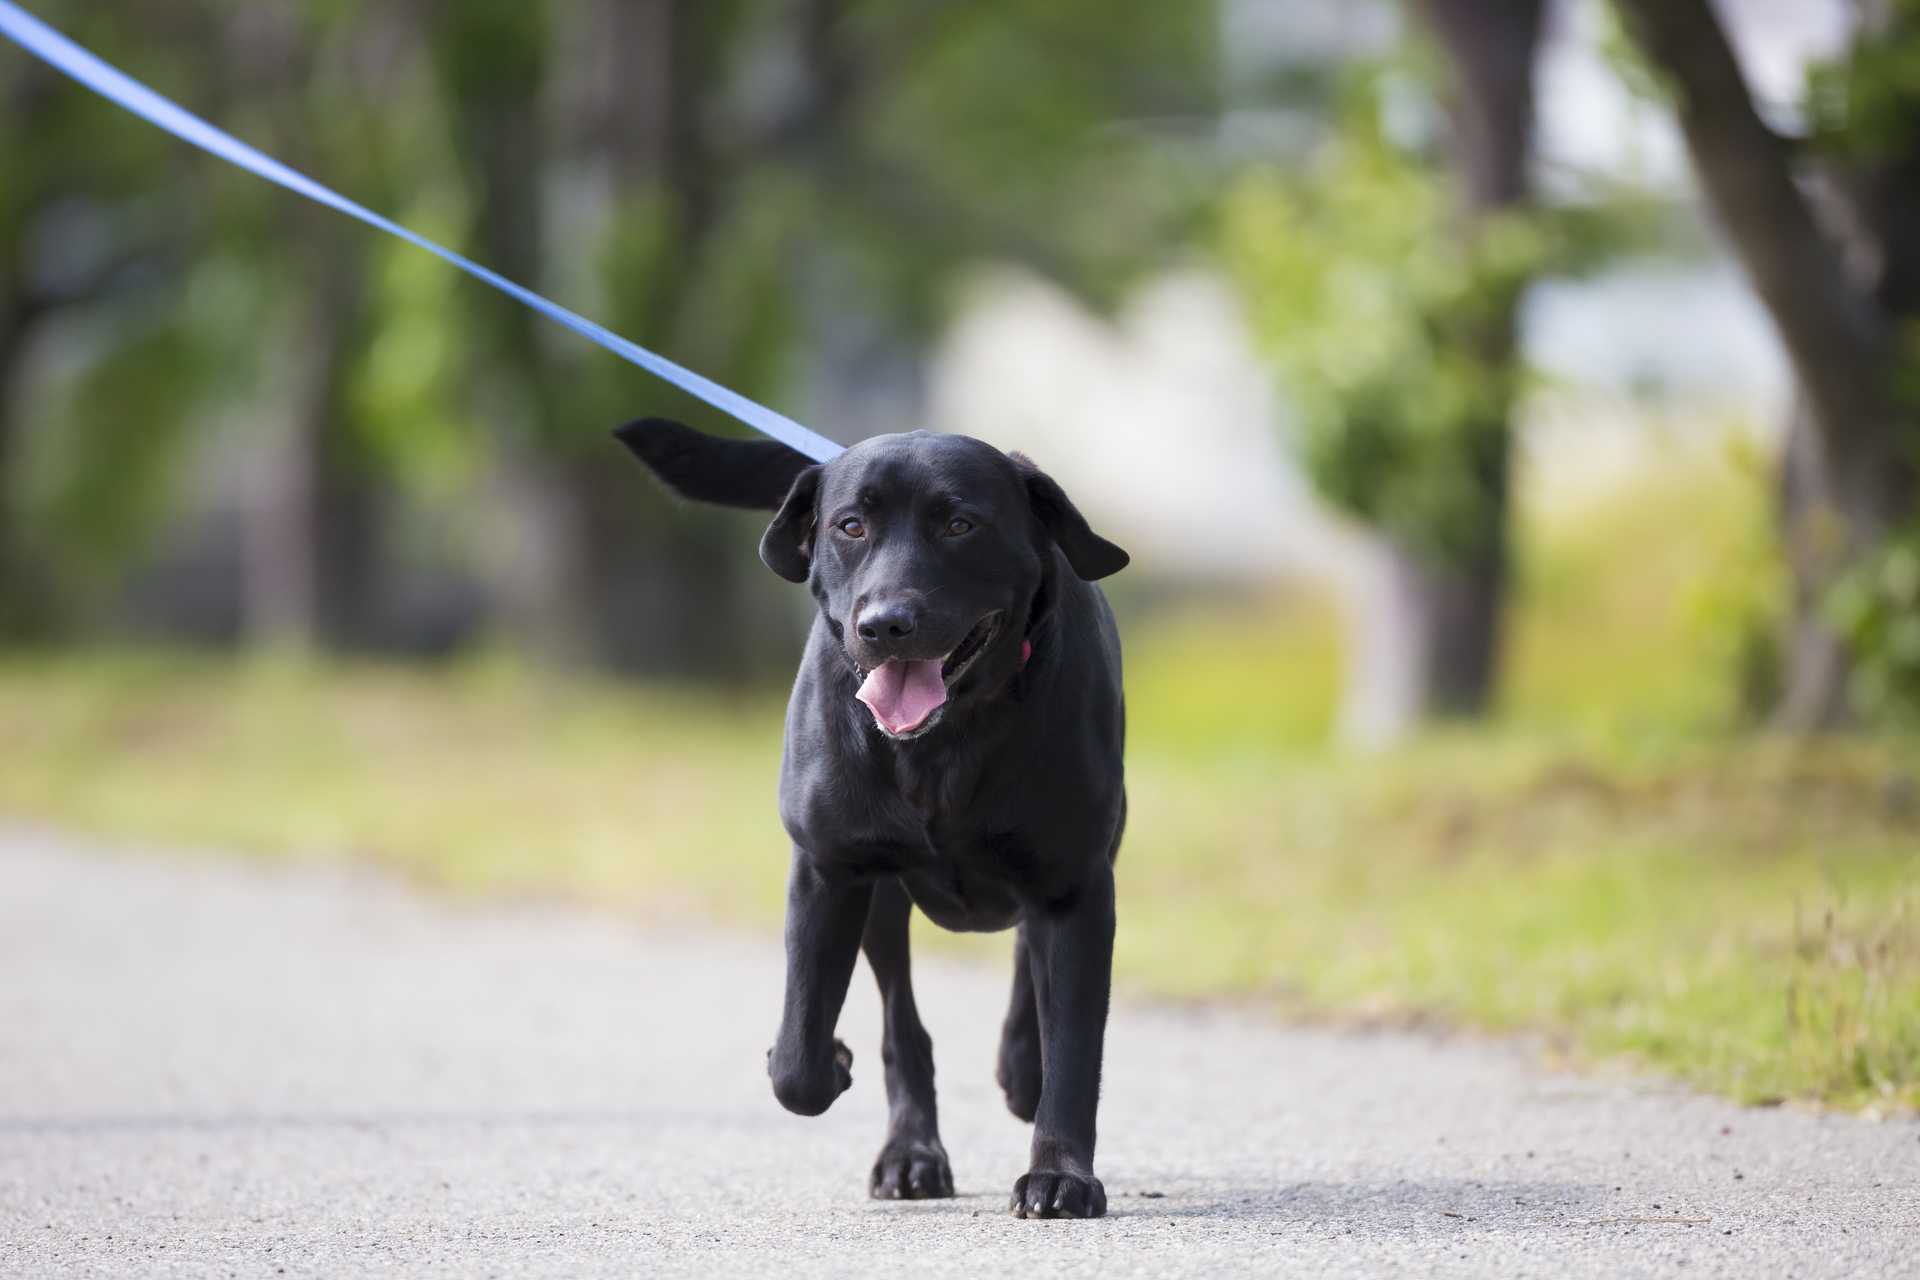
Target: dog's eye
x=854 y=527
x=958 y=526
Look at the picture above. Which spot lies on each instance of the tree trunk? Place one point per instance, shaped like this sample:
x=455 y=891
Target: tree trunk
x=1429 y=637
x=278 y=606
x=1491 y=45
x=1425 y=643
x=26 y=600
x=1813 y=676
x=292 y=500
x=657 y=588
x=12 y=604
x=1847 y=479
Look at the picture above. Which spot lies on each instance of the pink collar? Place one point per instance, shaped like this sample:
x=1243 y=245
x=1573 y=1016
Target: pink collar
x=1026 y=651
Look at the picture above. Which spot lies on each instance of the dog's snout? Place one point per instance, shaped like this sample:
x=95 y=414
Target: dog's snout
x=886 y=622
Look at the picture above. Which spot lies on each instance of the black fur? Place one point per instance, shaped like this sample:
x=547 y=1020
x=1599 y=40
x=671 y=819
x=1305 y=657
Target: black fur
x=1003 y=810
x=733 y=473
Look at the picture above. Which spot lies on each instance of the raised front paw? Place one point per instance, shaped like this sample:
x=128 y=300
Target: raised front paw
x=911 y=1169
x=809 y=1089
x=1048 y=1193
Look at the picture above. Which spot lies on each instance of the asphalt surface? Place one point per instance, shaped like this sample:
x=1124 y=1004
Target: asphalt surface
x=208 y=1069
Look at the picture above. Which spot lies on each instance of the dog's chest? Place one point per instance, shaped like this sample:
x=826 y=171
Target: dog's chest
x=968 y=879
x=958 y=896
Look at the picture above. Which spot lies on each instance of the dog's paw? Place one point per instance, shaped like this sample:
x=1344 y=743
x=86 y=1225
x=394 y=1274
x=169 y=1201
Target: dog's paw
x=911 y=1169
x=807 y=1093
x=1049 y=1193
x=1018 y=1073
x=842 y=1065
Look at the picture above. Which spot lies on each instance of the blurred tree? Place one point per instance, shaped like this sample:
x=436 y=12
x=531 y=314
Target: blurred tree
x=98 y=226
x=300 y=532
x=1829 y=233
x=689 y=263
x=740 y=183
x=179 y=294
x=1392 y=309
x=771 y=184
x=1460 y=595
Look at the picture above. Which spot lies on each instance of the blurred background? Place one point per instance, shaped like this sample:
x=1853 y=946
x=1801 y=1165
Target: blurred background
x=1511 y=408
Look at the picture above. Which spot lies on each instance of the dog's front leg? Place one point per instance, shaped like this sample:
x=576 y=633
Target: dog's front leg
x=825 y=917
x=1071 y=951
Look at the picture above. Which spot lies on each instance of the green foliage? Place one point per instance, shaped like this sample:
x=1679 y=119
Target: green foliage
x=492 y=52
x=1378 y=312
x=1876 y=606
x=90 y=210
x=1864 y=111
x=1649 y=608
x=1227 y=679
x=1031 y=134
x=1389 y=319
x=888 y=147
x=1864 y=106
x=1623 y=56
x=403 y=395
x=107 y=474
x=1740 y=607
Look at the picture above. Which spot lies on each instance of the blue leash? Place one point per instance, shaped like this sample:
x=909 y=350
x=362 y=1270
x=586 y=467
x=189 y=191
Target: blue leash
x=42 y=41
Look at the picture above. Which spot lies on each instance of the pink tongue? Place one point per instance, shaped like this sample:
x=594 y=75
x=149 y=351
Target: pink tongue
x=903 y=694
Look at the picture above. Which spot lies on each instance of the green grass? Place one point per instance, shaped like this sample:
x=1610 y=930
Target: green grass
x=1740 y=916
x=1609 y=864
x=1637 y=603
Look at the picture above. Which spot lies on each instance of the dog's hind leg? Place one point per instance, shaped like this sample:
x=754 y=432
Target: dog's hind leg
x=913 y=1163
x=1018 y=1070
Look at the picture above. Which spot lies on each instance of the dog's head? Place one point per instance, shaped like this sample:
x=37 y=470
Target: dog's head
x=930 y=555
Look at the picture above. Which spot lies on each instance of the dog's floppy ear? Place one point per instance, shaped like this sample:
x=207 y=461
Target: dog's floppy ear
x=787 y=545
x=733 y=473
x=1091 y=555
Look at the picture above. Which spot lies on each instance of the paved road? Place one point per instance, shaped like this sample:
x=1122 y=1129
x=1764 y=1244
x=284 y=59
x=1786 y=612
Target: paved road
x=212 y=1070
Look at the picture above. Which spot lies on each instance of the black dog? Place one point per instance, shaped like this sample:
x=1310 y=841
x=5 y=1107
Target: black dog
x=980 y=780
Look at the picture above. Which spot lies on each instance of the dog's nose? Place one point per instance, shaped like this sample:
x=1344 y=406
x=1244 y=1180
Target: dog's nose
x=881 y=623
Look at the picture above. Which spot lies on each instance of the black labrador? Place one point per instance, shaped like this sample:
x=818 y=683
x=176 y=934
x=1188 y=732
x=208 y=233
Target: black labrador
x=953 y=742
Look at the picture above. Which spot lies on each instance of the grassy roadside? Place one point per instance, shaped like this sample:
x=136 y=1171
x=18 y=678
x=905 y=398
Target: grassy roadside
x=1740 y=914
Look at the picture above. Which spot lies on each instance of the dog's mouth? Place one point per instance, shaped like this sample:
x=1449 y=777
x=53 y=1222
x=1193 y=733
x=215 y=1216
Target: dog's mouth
x=971 y=646
x=907 y=695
